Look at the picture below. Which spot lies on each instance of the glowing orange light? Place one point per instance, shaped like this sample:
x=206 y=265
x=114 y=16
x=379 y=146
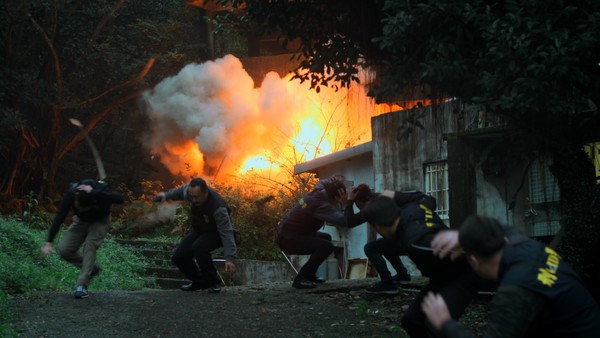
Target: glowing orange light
x=211 y=119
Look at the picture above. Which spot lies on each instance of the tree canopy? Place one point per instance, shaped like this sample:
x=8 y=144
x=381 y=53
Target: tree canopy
x=536 y=63
x=90 y=61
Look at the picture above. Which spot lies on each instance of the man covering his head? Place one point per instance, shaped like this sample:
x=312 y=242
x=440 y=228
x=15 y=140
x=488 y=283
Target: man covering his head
x=538 y=293
x=91 y=202
x=409 y=219
x=299 y=230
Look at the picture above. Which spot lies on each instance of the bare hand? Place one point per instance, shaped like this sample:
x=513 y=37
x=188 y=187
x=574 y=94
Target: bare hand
x=229 y=267
x=342 y=193
x=48 y=249
x=352 y=194
x=85 y=188
x=160 y=197
x=435 y=309
x=446 y=243
x=388 y=194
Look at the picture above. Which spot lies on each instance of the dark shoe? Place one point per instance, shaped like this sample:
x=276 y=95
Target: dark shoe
x=303 y=284
x=383 y=288
x=401 y=279
x=193 y=286
x=317 y=280
x=81 y=292
x=96 y=271
x=214 y=288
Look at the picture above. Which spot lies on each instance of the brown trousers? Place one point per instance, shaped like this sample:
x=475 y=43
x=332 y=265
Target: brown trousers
x=90 y=235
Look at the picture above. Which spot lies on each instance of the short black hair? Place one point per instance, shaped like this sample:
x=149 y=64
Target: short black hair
x=333 y=186
x=364 y=193
x=481 y=236
x=381 y=210
x=198 y=182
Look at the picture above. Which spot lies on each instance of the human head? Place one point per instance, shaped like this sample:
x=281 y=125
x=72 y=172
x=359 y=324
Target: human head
x=363 y=194
x=482 y=239
x=335 y=189
x=197 y=191
x=83 y=200
x=383 y=213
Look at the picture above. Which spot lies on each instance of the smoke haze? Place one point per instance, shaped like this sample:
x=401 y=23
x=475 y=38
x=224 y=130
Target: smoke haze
x=209 y=119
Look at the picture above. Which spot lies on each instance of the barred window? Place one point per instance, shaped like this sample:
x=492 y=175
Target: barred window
x=544 y=195
x=543 y=186
x=436 y=185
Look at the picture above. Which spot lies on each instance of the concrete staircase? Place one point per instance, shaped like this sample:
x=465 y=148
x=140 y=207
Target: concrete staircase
x=161 y=273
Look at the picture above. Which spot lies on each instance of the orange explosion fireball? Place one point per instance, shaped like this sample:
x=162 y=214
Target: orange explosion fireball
x=210 y=120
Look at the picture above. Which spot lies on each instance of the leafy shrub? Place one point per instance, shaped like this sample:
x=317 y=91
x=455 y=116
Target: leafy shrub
x=6 y=316
x=23 y=268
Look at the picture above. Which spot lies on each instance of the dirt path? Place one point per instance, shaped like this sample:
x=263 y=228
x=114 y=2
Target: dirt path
x=335 y=309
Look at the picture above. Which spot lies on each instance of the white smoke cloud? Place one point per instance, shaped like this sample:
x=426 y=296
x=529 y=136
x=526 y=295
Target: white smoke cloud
x=209 y=118
x=165 y=212
x=215 y=105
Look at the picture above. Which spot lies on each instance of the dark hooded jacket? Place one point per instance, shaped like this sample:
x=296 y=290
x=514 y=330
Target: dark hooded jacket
x=88 y=207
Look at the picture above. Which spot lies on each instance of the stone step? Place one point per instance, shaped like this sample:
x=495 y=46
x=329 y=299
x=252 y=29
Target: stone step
x=157 y=257
x=170 y=283
x=148 y=244
x=163 y=272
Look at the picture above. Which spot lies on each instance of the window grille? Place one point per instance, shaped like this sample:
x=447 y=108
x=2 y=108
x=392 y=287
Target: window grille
x=543 y=195
x=545 y=228
x=543 y=186
x=436 y=185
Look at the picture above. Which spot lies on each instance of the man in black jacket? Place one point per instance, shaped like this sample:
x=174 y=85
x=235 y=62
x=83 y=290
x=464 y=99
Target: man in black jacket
x=538 y=293
x=380 y=248
x=410 y=219
x=211 y=229
x=91 y=202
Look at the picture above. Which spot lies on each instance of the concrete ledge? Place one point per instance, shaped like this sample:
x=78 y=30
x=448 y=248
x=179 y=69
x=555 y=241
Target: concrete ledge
x=256 y=272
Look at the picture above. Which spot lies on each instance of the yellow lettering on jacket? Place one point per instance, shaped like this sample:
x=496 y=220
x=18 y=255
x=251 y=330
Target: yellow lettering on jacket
x=428 y=215
x=547 y=275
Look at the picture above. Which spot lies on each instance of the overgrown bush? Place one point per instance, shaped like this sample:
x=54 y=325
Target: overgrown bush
x=5 y=317
x=24 y=269
x=255 y=212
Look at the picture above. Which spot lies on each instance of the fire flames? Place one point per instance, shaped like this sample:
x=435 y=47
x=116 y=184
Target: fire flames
x=211 y=120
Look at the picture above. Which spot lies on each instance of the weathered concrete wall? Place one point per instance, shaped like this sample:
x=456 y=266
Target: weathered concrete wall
x=398 y=163
x=257 y=272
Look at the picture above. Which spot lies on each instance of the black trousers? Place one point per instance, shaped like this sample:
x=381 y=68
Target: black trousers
x=455 y=281
x=317 y=245
x=388 y=248
x=193 y=256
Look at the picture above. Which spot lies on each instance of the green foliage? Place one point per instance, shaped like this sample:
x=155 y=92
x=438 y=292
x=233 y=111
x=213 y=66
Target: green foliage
x=580 y=246
x=534 y=63
x=228 y=39
x=331 y=45
x=255 y=212
x=362 y=307
x=6 y=316
x=68 y=59
x=254 y=218
x=122 y=268
x=24 y=269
